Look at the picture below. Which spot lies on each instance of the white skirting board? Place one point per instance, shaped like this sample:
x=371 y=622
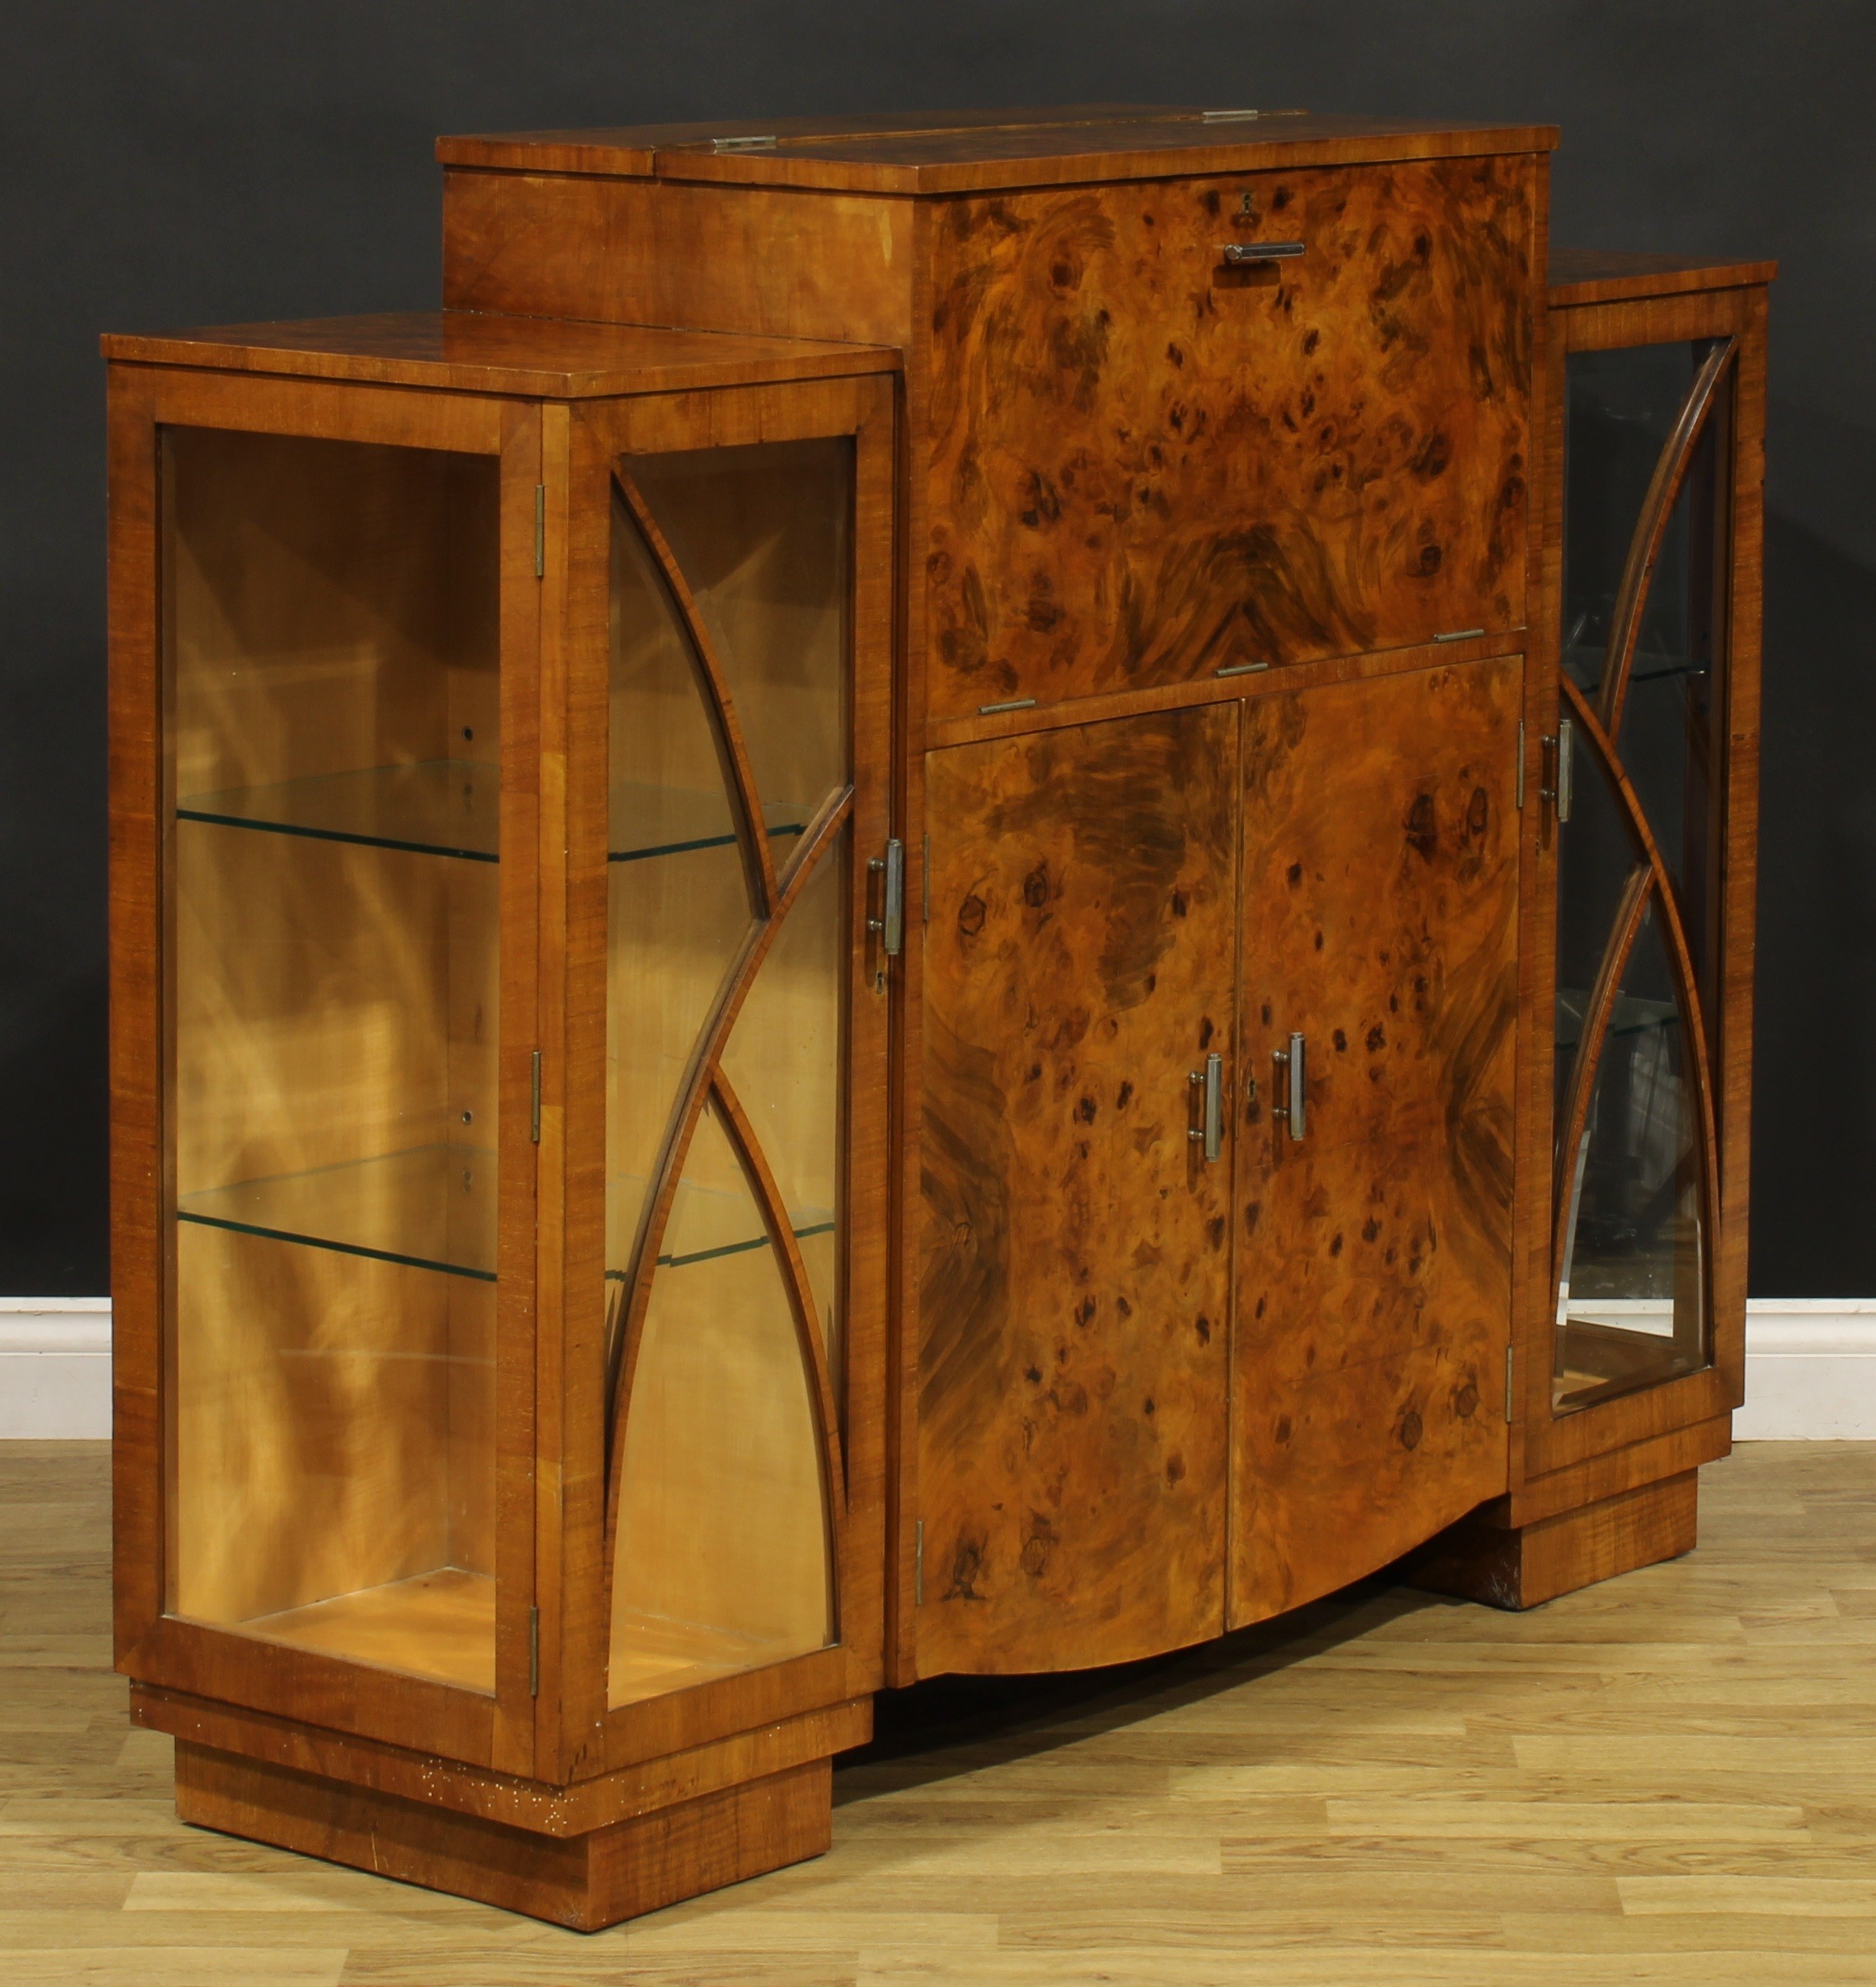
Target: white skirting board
x=1810 y=1370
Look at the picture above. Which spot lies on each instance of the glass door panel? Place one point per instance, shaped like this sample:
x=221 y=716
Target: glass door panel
x=1638 y=834
x=1631 y=1306
x=762 y=534
x=728 y=940
x=726 y=1559
x=330 y=633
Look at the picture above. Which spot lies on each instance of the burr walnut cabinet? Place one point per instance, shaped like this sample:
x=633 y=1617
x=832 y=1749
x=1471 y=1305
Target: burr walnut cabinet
x=952 y=895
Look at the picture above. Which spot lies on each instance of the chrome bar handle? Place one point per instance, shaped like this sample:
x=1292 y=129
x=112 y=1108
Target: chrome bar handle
x=1295 y=1061
x=1566 y=767
x=1239 y=253
x=892 y=924
x=1212 y=1080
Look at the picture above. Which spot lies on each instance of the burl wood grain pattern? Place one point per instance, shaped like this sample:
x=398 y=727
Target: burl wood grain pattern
x=1380 y=893
x=1145 y=466
x=1075 y=1275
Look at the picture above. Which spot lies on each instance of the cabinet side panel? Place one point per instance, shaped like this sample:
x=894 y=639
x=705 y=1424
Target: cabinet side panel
x=1380 y=882
x=1148 y=463
x=763 y=259
x=1072 y=1384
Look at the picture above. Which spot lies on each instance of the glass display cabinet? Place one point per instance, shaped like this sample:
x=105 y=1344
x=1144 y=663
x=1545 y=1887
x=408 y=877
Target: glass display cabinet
x=501 y=862
x=1029 y=941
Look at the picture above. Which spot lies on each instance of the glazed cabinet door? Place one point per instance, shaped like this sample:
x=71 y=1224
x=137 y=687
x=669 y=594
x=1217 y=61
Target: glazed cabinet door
x=337 y=652
x=1073 y=1364
x=726 y=1158
x=1373 y=1218
x=1654 y=750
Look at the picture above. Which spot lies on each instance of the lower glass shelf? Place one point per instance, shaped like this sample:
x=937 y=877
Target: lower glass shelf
x=440 y=1625
x=431 y=1207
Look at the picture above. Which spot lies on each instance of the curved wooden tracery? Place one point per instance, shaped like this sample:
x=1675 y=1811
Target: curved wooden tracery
x=713 y=687
x=704 y=1079
x=1649 y=885
x=1652 y=529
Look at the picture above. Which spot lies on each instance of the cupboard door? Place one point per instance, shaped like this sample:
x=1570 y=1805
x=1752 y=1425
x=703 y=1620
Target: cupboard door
x=1075 y=1273
x=1149 y=464
x=1380 y=889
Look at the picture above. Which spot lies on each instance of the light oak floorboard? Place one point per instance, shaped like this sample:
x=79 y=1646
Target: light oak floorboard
x=1670 y=1779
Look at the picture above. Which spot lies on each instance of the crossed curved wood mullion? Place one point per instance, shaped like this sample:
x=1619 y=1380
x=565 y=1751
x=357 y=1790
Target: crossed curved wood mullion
x=1597 y=1013
x=1651 y=528
x=725 y=728
x=755 y=1165
x=821 y=835
x=1680 y=953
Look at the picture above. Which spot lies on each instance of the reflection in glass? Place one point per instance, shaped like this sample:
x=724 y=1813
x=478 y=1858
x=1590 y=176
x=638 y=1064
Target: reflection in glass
x=724 y=1558
x=1631 y=1304
x=330 y=639
x=762 y=534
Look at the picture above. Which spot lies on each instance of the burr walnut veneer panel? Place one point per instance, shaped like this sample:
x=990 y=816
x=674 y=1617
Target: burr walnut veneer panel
x=1146 y=464
x=1072 y=1380
x=1380 y=891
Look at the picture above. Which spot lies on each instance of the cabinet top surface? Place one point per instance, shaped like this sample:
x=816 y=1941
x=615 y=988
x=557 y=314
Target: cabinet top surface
x=943 y=152
x=1612 y=275
x=471 y=352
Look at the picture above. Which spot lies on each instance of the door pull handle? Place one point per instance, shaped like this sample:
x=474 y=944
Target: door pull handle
x=1212 y=1137
x=1295 y=1060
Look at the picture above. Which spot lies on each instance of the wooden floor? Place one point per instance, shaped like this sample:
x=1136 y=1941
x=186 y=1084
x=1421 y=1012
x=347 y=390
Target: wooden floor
x=1671 y=1778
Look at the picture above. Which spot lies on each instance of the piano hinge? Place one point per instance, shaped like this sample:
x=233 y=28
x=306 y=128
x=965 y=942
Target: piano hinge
x=919 y=1563
x=1508 y=1358
x=541 y=531
x=1521 y=765
x=533 y=1652
x=533 y=1098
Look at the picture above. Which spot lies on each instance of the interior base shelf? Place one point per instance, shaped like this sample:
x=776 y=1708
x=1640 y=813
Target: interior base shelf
x=440 y=1625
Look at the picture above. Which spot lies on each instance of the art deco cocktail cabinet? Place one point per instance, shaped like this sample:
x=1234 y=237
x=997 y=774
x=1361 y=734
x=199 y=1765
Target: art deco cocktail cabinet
x=951 y=896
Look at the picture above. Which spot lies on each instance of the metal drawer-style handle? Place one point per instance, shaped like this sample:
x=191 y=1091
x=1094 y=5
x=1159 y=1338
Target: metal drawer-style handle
x=1294 y=1059
x=1238 y=253
x=1212 y=1077
x=890 y=926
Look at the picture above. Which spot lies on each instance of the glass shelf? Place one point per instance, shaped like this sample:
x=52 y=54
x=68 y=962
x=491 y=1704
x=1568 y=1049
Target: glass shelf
x=432 y=1207
x=649 y=821
x=437 y=807
x=452 y=807
x=1632 y=1017
x=705 y=1224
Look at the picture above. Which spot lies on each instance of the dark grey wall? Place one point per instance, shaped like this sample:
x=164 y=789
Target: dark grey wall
x=205 y=160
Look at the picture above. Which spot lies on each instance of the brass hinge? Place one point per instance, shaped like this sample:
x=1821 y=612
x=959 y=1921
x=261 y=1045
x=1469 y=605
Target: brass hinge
x=1521 y=765
x=1508 y=1358
x=533 y=1098
x=533 y=1652
x=919 y=1563
x=541 y=531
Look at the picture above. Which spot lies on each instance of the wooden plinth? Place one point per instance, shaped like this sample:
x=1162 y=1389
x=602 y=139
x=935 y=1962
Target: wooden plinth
x=584 y=1881
x=1523 y=1566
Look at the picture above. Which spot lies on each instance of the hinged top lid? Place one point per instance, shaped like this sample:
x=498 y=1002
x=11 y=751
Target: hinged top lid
x=980 y=151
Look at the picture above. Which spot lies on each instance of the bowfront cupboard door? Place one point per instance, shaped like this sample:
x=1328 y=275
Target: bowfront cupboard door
x=325 y=629
x=1655 y=747
x=1379 y=950
x=1073 y=1382
x=727 y=1126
